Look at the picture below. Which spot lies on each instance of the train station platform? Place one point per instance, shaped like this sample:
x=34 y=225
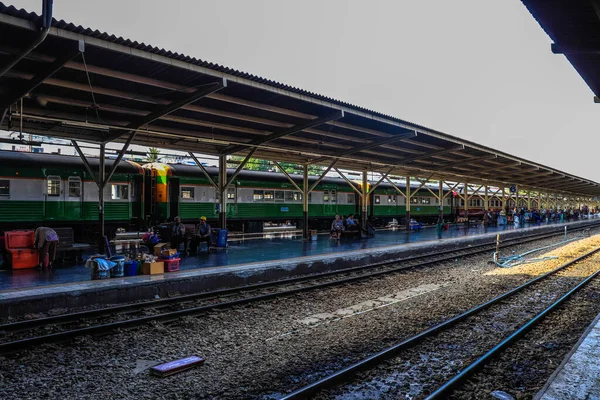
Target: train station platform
x=578 y=376
x=244 y=262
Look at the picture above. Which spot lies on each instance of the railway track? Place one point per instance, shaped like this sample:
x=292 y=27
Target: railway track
x=27 y=333
x=446 y=344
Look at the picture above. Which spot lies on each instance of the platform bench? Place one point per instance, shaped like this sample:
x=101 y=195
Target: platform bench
x=67 y=249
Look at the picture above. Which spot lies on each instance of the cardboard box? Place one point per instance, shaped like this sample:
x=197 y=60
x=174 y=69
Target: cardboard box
x=168 y=252
x=153 y=268
x=158 y=248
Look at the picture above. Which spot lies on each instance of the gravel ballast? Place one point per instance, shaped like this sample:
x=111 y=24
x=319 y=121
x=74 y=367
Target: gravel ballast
x=260 y=350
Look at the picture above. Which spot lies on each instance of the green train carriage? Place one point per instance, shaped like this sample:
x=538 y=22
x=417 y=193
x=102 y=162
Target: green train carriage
x=253 y=198
x=57 y=190
x=256 y=197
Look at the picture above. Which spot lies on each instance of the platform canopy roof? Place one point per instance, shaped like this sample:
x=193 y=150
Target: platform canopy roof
x=574 y=27
x=88 y=85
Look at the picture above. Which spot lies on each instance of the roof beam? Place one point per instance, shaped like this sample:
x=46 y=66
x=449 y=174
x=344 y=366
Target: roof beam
x=289 y=131
x=177 y=104
x=462 y=162
x=46 y=72
x=368 y=146
x=162 y=111
x=406 y=160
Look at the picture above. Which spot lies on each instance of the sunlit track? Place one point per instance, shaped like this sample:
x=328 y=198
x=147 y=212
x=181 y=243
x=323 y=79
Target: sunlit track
x=347 y=375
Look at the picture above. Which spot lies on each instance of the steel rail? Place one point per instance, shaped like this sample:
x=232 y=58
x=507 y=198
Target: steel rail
x=343 y=374
x=458 y=379
x=63 y=335
x=476 y=249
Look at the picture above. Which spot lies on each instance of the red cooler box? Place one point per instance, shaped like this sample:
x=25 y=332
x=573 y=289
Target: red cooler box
x=19 y=246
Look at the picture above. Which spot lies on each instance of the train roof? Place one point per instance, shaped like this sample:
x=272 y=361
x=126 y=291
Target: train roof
x=21 y=159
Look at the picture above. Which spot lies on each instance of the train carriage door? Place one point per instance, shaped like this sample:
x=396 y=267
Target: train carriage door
x=74 y=198
x=173 y=197
x=232 y=205
x=54 y=198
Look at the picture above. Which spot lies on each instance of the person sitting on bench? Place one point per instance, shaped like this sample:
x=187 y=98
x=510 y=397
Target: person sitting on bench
x=178 y=236
x=351 y=223
x=46 y=241
x=202 y=234
x=337 y=227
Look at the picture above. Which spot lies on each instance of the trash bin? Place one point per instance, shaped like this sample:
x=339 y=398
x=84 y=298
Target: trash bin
x=118 y=270
x=222 y=238
x=130 y=268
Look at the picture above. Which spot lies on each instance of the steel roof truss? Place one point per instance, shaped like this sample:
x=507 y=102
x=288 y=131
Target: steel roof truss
x=368 y=146
x=289 y=131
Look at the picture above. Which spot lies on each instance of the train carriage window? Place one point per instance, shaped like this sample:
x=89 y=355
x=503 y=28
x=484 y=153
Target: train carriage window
x=392 y=199
x=187 y=193
x=230 y=193
x=4 y=187
x=269 y=195
x=297 y=196
x=377 y=200
x=325 y=196
x=53 y=186
x=258 y=196
x=425 y=200
x=310 y=197
x=279 y=196
x=333 y=196
x=74 y=186
x=289 y=196
x=350 y=198
x=119 y=192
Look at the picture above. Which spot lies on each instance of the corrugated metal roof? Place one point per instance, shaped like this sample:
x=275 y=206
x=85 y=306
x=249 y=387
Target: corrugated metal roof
x=575 y=25
x=68 y=26
x=131 y=79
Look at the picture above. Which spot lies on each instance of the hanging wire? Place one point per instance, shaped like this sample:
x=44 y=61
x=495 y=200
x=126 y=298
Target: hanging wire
x=96 y=106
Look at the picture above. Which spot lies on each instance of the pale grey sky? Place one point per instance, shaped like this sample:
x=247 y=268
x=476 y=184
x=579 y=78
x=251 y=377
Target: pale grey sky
x=479 y=70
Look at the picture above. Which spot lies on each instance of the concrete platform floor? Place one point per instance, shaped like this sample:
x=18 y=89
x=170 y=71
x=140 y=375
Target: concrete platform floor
x=238 y=266
x=280 y=247
x=578 y=377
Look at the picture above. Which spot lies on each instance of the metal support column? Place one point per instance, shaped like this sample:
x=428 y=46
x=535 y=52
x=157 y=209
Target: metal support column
x=102 y=183
x=517 y=198
x=486 y=206
x=466 y=199
x=529 y=200
x=365 y=200
x=407 y=200
x=223 y=191
x=305 y=193
x=441 y=196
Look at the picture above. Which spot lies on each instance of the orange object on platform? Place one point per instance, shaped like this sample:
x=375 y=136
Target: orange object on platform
x=19 y=245
x=24 y=258
x=19 y=239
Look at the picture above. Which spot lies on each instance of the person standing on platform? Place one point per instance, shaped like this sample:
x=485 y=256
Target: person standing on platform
x=203 y=231
x=178 y=236
x=46 y=241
